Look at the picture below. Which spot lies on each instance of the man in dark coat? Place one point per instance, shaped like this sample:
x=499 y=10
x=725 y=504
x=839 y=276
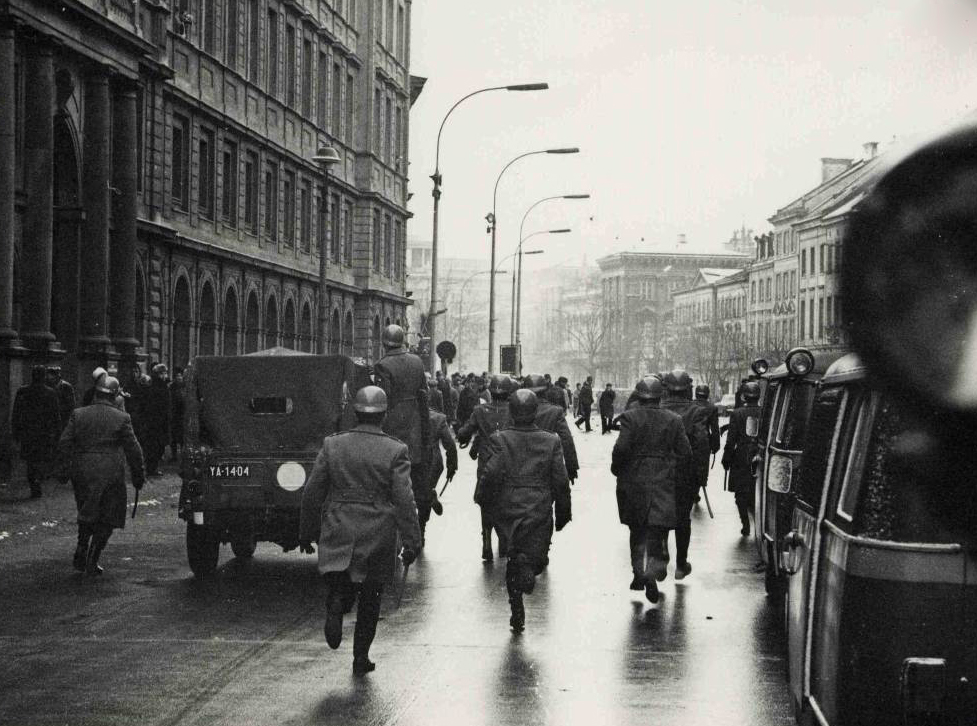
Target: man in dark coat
x=710 y=416
x=177 y=407
x=486 y=419
x=741 y=447
x=65 y=391
x=356 y=500
x=678 y=399
x=93 y=451
x=605 y=404
x=36 y=424
x=526 y=477
x=401 y=376
x=585 y=402
x=426 y=492
x=156 y=418
x=649 y=460
x=550 y=418
x=467 y=400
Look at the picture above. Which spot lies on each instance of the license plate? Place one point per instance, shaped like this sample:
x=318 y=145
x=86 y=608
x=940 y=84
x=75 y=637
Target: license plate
x=230 y=471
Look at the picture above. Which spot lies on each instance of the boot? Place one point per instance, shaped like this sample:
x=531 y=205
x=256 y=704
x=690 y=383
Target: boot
x=436 y=506
x=638 y=582
x=367 y=615
x=651 y=591
x=683 y=570
x=744 y=519
x=81 y=550
x=487 y=545
x=363 y=665
x=94 y=552
x=517 y=621
x=423 y=526
x=333 y=627
x=503 y=546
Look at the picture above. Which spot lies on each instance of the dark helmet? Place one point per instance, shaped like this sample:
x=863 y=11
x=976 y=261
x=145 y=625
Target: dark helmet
x=535 y=383
x=392 y=337
x=678 y=380
x=500 y=385
x=370 y=399
x=108 y=386
x=649 y=389
x=522 y=406
x=702 y=391
x=751 y=390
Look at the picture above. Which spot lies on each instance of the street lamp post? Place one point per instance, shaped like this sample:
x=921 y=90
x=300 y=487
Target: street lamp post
x=513 y=325
x=436 y=193
x=326 y=157
x=493 y=225
x=518 y=305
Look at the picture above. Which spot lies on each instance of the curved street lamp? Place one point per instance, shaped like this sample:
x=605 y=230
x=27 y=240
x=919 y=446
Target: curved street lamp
x=493 y=224
x=436 y=193
x=326 y=157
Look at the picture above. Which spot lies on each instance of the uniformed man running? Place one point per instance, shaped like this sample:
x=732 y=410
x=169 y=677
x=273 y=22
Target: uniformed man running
x=710 y=416
x=550 y=417
x=525 y=477
x=649 y=461
x=741 y=447
x=358 y=497
x=426 y=491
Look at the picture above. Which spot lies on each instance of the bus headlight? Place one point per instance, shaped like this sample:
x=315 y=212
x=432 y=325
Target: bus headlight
x=290 y=476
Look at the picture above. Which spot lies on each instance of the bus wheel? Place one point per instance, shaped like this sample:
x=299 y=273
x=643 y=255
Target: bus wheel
x=243 y=544
x=203 y=549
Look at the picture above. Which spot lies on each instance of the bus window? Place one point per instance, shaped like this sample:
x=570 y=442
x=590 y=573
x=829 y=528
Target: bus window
x=769 y=402
x=851 y=485
x=827 y=409
x=796 y=417
x=783 y=404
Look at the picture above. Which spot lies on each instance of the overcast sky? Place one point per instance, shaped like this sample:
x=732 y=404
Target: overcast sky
x=692 y=117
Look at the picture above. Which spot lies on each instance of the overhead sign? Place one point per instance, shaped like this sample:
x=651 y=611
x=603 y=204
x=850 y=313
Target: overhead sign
x=509 y=359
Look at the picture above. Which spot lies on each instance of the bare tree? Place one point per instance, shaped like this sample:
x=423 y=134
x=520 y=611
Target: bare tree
x=586 y=333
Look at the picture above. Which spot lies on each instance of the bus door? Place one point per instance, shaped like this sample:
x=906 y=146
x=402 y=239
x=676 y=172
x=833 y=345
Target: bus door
x=771 y=403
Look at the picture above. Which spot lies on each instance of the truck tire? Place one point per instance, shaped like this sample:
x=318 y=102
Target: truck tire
x=243 y=544
x=203 y=549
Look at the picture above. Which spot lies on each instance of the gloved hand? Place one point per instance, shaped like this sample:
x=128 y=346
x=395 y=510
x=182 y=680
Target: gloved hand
x=473 y=454
x=572 y=476
x=306 y=547
x=407 y=555
x=563 y=518
x=726 y=464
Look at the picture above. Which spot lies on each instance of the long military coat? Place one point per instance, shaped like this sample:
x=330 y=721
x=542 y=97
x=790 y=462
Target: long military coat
x=36 y=422
x=648 y=460
x=401 y=375
x=467 y=401
x=697 y=430
x=442 y=437
x=712 y=419
x=741 y=447
x=525 y=476
x=551 y=418
x=94 y=449
x=357 y=498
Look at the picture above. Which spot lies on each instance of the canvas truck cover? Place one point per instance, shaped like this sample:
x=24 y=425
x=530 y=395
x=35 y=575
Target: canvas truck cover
x=268 y=402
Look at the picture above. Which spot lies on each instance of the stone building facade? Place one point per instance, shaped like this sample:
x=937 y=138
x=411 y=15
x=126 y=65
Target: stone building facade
x=158 y=197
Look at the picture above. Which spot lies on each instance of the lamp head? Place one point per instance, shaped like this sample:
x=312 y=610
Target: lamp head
x=576 y=196
x=568 y=150
x=326 y=156
x=528 y=87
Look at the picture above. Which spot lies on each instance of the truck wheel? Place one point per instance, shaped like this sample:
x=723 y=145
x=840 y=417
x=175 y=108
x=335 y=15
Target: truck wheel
x=243 y=545
x=203 y=549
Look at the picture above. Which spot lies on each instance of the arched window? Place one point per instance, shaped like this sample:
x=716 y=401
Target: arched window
x=334 y=333
x=182 y=318
x=348 y=334
x=306 y=328
x=208 y=320
x=230 y=343
x=289 y=331
x=271 y=323
x=252 y=322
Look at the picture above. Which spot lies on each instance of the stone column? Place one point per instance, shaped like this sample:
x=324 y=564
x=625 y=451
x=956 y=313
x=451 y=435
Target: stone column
x=94 y=258
x=36 y=246
x=122 y=253
x=7 y=183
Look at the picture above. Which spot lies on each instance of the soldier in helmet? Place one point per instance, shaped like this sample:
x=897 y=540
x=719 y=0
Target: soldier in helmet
x=711 y=415
x=549 y=417
x=401 y=376
x=741 y=447
x=486 y=419
x=525 y=477
x=93 y=451
x=426 y=491
x=358 y=497
x=678 y=399
x=649 y=460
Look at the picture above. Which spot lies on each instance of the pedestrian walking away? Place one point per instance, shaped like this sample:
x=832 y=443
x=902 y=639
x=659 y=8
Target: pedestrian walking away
x=650 y=460
x=605 y=406
x=155 y=415
x=585 y=401
x=486 y=419
x=355 y=502
x=741 y=447
x=36 y=424
x=93 y=452
x=65 y=391
x=551 y=418
x=525 y=476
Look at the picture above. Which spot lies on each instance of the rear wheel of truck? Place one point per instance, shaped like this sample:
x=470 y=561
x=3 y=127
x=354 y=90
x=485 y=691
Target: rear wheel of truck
x=243 y=544
x=203 y=549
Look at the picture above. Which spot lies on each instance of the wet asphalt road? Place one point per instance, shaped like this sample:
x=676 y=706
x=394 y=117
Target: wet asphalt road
x=147 y=644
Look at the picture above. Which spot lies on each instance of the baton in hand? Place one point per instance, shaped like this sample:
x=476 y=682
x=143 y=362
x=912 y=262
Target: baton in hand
x=713 y=464
x=708 y=505
x=725 y=477
x=403 y=586
x=135 y=504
